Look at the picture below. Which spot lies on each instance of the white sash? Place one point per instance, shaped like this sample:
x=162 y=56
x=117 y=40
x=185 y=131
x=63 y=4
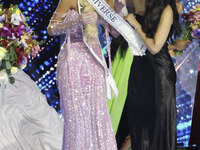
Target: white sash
x=110 y=82
x=109 y=78
x=136 y=45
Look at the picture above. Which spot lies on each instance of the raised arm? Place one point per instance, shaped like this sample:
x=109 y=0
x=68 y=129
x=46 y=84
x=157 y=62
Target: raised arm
x=58 y=25
x=59 y=15
x=155 y=44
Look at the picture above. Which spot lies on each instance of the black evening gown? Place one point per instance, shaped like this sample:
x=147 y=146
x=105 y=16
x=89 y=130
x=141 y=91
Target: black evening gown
x=149 y=113
x=150 y=104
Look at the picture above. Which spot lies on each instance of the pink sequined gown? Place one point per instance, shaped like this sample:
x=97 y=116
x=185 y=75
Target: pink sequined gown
x=82 y=88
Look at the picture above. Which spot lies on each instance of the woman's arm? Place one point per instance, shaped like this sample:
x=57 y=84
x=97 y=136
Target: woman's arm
x=58 y=26
x=62 y=8
x=155 y=44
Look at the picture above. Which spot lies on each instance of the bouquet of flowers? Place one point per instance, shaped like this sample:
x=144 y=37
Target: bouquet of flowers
x=191 y=21
x=17 y=41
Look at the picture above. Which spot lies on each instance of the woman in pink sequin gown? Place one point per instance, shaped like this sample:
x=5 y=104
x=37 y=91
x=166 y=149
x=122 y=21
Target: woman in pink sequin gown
x=81 y=83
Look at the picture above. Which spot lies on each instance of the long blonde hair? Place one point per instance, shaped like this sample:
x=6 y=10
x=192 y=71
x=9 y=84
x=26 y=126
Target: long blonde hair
x=90 y=30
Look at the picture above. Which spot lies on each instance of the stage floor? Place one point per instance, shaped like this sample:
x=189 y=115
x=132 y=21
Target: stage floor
x=188 y=148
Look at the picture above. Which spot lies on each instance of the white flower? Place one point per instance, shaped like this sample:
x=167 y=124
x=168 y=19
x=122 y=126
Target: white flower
x=16 y=19
x=1 y=25
x=13 y=70
x=3 y=52
x=24 y=44
x=23 y=66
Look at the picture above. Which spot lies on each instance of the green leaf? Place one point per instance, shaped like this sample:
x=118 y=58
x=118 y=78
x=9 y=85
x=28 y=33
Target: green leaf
x=9 y=72
x=8 y=65
x=15 y=44
x=178 y=53
x=11 y=80
x=186 y=32
x=3 y=64
x=6 y=57
x=186 y=35
x=15 y=9
x=13 y=55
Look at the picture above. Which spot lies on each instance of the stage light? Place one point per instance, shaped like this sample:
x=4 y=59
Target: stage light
x=45 y=37
x=42 y=67
x=37 y=71
x=21 y=5
x=28 y=3
x=29 y=9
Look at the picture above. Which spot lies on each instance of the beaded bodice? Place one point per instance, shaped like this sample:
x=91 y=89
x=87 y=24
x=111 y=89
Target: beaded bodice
x=75 y=33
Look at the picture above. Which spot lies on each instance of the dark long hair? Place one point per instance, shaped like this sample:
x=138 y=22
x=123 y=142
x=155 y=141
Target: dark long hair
x=117 y=43
x=154 y=9
x=153 y=12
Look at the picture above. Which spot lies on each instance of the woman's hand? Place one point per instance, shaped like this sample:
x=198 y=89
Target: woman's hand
x=129 y=17
x=131 y=20
x=88 y=18
x=119 y=5
x=180 y=44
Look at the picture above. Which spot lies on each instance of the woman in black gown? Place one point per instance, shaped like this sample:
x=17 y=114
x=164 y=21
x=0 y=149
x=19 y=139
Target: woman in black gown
x=150 y=104
x=141 y=79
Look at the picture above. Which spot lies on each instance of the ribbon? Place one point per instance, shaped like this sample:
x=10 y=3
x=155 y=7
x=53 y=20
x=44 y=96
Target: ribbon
x=110 y=82
x=3 y=81
x=136 y=45
x=109 y=78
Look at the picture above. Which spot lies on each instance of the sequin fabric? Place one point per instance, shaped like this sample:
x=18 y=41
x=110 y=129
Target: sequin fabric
x=82 y=88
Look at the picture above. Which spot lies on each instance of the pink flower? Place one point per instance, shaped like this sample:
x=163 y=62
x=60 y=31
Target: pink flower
x=197 y=16
x=197 y=6
x=191 y=16
x=35 y=50
x=191 y=11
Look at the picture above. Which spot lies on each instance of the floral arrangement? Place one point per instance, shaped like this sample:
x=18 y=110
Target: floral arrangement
x=191 y=20
x=17 y=41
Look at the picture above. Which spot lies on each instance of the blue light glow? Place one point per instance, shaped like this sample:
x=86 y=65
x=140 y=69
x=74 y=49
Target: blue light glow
x=47 y=63
x=42 y=67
